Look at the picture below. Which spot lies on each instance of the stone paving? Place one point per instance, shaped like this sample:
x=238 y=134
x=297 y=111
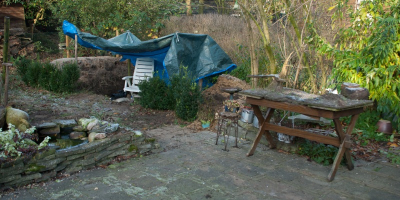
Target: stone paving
x=193 y=167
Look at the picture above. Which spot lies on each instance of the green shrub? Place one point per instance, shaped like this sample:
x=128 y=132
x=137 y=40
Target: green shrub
x=69 y=76
x=33 y=73
x=45 y=76
x=22 y=66
x=48 y=76
x=186 y=93
x=155 y=94
x=182 y=94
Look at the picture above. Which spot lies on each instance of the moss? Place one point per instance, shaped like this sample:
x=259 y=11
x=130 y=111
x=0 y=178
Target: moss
x=133 y=148
x=150 y=140
x=34 y=168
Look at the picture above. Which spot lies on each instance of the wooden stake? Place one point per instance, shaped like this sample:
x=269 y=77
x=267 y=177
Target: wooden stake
x=5 y=46
x=76 y=48
x=67 y=41
x=128 y=63
x=7 y=66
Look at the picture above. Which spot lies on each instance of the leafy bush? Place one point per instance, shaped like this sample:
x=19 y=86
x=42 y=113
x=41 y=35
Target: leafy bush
x=182 y=94
x=14 y=143
x=318 y=152
x=368 y=53
x=48 y=76
x=187 y=95
x=155 y=94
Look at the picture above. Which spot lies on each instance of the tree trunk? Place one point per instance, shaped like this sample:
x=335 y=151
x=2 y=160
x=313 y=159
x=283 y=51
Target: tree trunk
x=253 y=56
x=188 y=8
x=267 y=41
x=201 y=6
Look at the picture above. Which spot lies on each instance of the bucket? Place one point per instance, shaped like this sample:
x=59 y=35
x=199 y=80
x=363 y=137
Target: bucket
x=255 y=122
x=247 y=115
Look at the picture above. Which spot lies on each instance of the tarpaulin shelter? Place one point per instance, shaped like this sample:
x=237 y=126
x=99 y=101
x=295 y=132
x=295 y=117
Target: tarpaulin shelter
x=200 y=53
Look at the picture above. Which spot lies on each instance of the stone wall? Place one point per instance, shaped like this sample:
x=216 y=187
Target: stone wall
x=101 y=75
x=50 y=163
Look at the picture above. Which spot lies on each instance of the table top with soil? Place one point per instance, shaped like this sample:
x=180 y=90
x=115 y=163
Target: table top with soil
x=328 y=101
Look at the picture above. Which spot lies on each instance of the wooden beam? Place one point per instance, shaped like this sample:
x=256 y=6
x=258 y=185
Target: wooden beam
x=304 y=134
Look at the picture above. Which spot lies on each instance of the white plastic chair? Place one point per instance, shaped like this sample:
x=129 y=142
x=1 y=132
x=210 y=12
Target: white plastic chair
x=144 y=70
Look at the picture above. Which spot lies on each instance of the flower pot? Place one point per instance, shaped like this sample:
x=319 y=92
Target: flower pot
x=384 y=126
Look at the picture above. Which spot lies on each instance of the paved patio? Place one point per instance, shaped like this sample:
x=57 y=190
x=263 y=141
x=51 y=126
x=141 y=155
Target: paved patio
x=193 y=167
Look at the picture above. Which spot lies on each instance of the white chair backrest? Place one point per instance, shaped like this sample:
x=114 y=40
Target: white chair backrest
x=144 y=69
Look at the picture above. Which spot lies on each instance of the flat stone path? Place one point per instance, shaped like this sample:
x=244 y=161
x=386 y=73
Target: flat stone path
x=193 y=167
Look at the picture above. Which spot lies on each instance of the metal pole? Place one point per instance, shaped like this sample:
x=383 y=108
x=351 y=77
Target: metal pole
x=5 y=46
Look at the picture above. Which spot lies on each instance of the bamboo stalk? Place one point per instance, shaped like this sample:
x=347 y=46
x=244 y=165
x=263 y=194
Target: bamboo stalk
x=6 y=41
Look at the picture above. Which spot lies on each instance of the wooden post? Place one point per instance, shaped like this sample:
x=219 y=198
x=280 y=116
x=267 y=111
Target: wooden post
x=67 y=41
x=117 y=33
x=76 y=48
x=128 y=63
x=5 y=46
x=201 y=84
x=7 y=66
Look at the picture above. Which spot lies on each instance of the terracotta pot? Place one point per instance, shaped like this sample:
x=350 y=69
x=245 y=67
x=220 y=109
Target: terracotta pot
x=384 y=126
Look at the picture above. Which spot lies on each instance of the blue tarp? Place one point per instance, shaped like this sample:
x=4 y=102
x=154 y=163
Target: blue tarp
x=200 y=53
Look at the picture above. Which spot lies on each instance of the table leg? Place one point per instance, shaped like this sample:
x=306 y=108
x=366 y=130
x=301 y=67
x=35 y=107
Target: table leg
x=342 y=136
x=262 y=130
x=343 y=147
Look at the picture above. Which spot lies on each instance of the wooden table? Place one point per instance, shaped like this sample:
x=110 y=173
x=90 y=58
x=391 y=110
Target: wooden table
x=328 y=106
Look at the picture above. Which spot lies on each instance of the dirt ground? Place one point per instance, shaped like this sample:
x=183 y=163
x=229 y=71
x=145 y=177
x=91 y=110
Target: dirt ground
x=43 y=106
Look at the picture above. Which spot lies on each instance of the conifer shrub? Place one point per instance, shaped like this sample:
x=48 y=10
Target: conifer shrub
x=48 y=76
x=154 y=94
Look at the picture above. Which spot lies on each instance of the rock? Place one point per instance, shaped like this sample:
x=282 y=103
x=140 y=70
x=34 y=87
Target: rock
x=354 y=91
x=2 y=117
x=65 y=123
x=96 y=136
x=77 y=135
x=92 y=124
x=111 y=128
x=46 y=125
x=84 y=122
x=100 y=136
x=50 y=131
x=18 y=118
x=79 y=129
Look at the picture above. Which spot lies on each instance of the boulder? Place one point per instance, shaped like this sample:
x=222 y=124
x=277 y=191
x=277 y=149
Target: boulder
x=77 y=135
x=18 y=118
x=79 y=129
x=96 y=136
x=65 y=123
